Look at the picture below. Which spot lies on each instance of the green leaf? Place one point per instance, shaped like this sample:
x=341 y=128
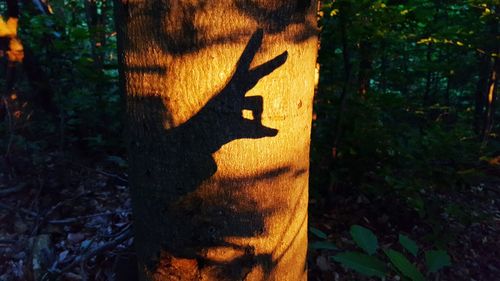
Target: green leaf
x=436 y=260
x=322 y=245
x=408 y=244
x=318 y=233
x=362 y=263
x=364 y=238
x=404 y=265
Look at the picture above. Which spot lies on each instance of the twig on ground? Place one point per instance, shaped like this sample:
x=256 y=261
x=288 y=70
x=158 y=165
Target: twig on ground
x=21 y=210
x=80 y=260
x=79 y=218
x=7 y=241
x=61 y=221
x=8 y=191
x=123 y=180
x=126 y=228
x=110 y=175
x=56 y=206
x=10 y=124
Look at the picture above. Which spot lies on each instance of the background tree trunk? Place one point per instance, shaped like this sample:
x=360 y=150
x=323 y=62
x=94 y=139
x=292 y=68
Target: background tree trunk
x=343 y=13
x=430 y=75
x=480 y=94
x=365 y=67
x=491 y=96
x=219 y=103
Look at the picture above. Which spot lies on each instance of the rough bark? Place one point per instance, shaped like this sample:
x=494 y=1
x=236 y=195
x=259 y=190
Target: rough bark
x=219 y=105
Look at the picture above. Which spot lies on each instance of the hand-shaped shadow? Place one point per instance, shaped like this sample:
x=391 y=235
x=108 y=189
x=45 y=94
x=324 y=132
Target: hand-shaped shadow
x=222 y=116
x=183 y=160
x=221 y=120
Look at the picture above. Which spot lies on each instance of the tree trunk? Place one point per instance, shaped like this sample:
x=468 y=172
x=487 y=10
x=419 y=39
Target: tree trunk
x=491 y=96
x=96 y=23
x=480 y=94
x=365 y=67
x=428 y=80
x=383 y=67
x=11 y=46
x=343 y=22
x=447 y=90
x=490 y=89
x=405 y=90
x=219 y=105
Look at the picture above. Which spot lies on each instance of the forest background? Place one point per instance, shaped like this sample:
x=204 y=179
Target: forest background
x=405 y=143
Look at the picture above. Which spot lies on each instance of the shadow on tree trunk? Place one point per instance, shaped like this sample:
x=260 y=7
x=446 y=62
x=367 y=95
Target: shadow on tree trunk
x=177 y=24
x=180 y=224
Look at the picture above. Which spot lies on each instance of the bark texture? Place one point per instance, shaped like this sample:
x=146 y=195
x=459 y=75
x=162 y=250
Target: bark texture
x=219 y=106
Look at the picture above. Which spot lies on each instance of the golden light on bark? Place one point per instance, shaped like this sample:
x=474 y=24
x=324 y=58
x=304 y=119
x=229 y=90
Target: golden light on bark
x=220 y=108
x=8 y=29
x=491 y=90
x=16 y=50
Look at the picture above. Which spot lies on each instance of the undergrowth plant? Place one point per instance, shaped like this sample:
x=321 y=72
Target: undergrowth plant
x=376 y=261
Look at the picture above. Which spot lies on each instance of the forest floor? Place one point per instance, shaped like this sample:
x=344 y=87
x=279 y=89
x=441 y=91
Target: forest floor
x=474 y=245
x=72 y=221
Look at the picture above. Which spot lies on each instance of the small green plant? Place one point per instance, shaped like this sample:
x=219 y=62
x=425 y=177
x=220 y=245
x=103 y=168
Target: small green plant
x=370 y=264
x=323 y=244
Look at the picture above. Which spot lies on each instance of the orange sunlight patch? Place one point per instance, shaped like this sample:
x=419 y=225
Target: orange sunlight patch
x=9 y=29
x=16 y=51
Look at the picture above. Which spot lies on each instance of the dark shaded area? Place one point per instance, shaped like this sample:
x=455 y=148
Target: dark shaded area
x=201 y=219
x=12 y=8
x=39 y=82
x=277 y=19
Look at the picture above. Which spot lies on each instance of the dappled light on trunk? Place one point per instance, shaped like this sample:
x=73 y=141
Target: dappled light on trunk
x=8 y=29
x=220 y=117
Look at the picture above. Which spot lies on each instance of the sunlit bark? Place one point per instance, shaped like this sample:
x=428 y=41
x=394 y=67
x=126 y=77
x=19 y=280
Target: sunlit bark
x=490 y=83
x=491 y=97
x=10 y=44
x=219 y=103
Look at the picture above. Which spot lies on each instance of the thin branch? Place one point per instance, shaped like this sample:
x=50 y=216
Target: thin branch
x=8 y=191
x=11 y=127
x=21 y=210
x=88 y=255
x=109 y=175
x=8 y=241
x=79 y=218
